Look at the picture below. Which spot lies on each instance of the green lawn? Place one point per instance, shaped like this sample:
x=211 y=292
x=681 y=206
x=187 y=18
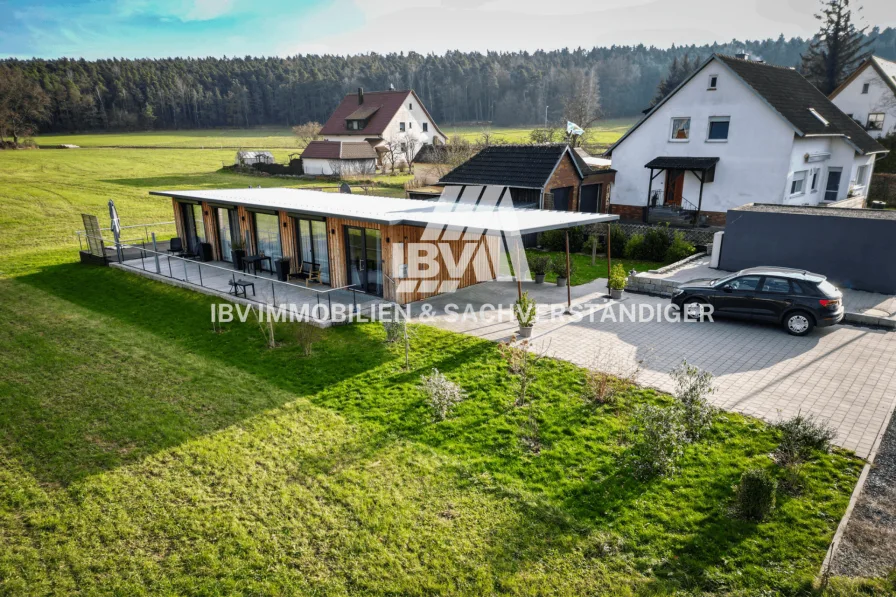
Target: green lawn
x=142 y=453
x=605 y=132
x=584 y=272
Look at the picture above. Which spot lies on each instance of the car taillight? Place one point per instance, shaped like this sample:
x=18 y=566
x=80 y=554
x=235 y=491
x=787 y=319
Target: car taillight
x=829 y=303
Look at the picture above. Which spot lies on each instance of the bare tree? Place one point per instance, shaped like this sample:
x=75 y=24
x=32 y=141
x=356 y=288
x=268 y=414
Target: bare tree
x=23 y=104
x=391 y=153
x=306 y=133
x=581 y=105
x=409 y=144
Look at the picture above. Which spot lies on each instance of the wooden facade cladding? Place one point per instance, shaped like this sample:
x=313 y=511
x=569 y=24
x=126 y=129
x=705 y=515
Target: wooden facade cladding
x=211 y=230
x=247 y=224
x=179 y=220
x=289 y=244
x=337 y=251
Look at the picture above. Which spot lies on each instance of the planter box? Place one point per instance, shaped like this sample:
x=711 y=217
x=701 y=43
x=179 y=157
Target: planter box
x=539 y=278
x=561 y=281
x=526 y=332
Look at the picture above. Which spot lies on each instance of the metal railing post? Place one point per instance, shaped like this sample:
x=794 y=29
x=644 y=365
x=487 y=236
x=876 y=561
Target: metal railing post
x=170 y=273
x=155 y=250
x=273 y=294
x=199 y=265
x=186 y=277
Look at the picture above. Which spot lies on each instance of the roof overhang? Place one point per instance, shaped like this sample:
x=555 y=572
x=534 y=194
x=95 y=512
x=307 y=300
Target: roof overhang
x=681 y=163
x=489 y=217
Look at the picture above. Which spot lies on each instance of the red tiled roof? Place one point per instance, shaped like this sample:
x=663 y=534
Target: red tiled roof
x=387 y=104
x=337 y=150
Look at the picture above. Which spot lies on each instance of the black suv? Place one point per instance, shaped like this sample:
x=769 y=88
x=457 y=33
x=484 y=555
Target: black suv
x=797 y=299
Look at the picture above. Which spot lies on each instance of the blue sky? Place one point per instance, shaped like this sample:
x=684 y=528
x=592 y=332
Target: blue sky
x=142 y=28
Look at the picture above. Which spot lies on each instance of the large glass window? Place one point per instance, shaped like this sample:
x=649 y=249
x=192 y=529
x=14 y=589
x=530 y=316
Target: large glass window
x=718 y=128
x=267 y=235
x=227 y=225
x=312 y=240
x=199 y=224
x=681 y=129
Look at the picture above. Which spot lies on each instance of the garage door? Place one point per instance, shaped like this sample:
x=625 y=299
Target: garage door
x=589 y=198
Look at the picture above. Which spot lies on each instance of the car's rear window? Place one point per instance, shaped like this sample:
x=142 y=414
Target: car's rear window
x=827 y=288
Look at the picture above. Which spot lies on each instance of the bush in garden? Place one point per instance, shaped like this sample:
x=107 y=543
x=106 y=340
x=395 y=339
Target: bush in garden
x=540 y=264
x=307 y=334
x=558 y=266
x=800 y=437
x=395 y=330
x=555 y=240
x=618 y=240
x=679 y=249
x=618 y=277
x=656 y=441
x=755 y=495
x=657 y=241
x=634 y=247
x=692 y=388
x=441 y=393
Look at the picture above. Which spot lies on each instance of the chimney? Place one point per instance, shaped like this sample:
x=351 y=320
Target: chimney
x=742 y=56
x=360 y=95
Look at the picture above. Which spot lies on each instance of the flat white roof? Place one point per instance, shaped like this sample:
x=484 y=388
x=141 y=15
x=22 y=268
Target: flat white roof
x=445 y=212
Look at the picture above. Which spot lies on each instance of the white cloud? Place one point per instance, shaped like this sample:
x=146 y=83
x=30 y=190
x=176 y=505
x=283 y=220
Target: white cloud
x=205 y=10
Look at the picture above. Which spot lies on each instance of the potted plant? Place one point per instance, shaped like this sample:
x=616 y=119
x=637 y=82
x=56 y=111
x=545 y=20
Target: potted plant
x=525 y=311
x=540 y=266
x=237 y=253
x=558 y=266
x=618 y=279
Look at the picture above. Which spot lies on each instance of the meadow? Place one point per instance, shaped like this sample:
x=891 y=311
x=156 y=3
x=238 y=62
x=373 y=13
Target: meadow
x=143 y=452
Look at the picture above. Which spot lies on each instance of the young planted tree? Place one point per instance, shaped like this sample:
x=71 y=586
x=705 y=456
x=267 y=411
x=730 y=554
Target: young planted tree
x=837 y=48
x=23 y=104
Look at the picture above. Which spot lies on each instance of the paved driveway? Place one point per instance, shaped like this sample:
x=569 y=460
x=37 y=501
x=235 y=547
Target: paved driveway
x=846 y=375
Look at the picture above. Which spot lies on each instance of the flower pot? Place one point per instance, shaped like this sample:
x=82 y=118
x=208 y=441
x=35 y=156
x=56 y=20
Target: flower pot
x=539 y=278
x=237 y=256
x=526 y=332
x=561 y=281
x=616 y=293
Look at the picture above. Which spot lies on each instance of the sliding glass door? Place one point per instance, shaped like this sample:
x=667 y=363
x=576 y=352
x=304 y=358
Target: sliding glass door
x=312 y=245
x=194 y=228
x=364 y=259
x=228 y=231
x=267 y=236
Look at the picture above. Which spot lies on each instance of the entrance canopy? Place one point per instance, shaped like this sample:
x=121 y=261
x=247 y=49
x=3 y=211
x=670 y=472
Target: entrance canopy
x=490 y=210
x=681 y=163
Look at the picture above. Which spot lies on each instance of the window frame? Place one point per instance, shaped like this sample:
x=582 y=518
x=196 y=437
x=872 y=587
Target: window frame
x=425 y=126
x=865 y=88
x=794 y=180
x=401 y=128
x=880 y=121
x=815 y=176
x=713 y=82
x=713 y=119
x=864 y=171
x=672 y=138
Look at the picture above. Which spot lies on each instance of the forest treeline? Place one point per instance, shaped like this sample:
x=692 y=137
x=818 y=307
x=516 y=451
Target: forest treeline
x=499 y=87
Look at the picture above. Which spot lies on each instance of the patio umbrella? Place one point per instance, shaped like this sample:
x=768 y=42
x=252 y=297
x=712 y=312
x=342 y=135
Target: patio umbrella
x=116 y=228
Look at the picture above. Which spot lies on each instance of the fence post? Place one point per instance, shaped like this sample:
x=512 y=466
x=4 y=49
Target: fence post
x=186 y=277
x=199 y=265
x=155 y=250
x=273 y=294
x=170 y=273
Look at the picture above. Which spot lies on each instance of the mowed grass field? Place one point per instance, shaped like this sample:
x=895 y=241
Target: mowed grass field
x=144 y=453
x=605 y=132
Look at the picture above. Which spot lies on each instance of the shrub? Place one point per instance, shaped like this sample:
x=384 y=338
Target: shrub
x=525 y=310
x=618 y=277
x=540 y=264
x=657 y=241
x=692 y=388
x=306 y=335
x=618 y=240
x=800 y=437
x=679 y=249
x=395 y=330
x=634 y=247
x=609 y=374
x=441 y=393
x=755 y=495
x=555 y=240
x=558 y=266
x=656 y=441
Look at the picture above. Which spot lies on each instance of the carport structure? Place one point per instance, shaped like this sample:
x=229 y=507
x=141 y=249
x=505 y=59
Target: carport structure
x=400 y=249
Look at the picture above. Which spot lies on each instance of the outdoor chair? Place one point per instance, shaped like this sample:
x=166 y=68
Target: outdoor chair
x=191 y=253
x=310 y=272
x=175 y=245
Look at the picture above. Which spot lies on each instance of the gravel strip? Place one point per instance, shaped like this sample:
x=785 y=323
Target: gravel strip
x=868 y=547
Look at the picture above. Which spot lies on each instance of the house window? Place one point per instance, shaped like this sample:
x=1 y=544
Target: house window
x=354 y=125
x=865 y=88
x=404 y=147
x=410 y=106
x=713 y=82
x=401 y=126
x=875 y=122
x=861 y=175
x=815 y=176
x=718 y=128
x=798 y=184
x=425 y=127
x=681 y=129
x=410 y=125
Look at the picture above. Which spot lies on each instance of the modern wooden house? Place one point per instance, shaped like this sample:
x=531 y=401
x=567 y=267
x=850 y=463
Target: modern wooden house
x=400 y=249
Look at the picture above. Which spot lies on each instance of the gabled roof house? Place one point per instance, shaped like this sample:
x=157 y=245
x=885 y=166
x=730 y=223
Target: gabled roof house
x=739 y=131
x=868 y=95
x=377 y=117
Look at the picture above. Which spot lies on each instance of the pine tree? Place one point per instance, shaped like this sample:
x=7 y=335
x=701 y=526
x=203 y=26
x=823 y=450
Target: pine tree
x=837 y=49
x=678 y=72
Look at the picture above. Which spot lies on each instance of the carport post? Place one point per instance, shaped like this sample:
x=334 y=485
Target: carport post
x=568 y=281
x=609 y=260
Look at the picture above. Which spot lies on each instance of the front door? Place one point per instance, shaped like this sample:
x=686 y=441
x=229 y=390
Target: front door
x=832 y=189
x=364 y=259
x=674 y=187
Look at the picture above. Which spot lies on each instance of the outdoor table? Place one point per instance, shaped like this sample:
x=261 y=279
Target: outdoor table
x=254 y=260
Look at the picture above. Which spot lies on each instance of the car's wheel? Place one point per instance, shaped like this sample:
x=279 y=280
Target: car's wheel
x=798 y=323
x=693 y=309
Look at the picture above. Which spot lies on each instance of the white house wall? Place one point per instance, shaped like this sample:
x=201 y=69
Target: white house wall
x=880 y=98
x=413 y=118
x=753 y=162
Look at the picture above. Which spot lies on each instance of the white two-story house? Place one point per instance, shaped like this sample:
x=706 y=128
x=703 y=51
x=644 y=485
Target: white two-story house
x=375 y=119
x=735 y=132
x=869 y=96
